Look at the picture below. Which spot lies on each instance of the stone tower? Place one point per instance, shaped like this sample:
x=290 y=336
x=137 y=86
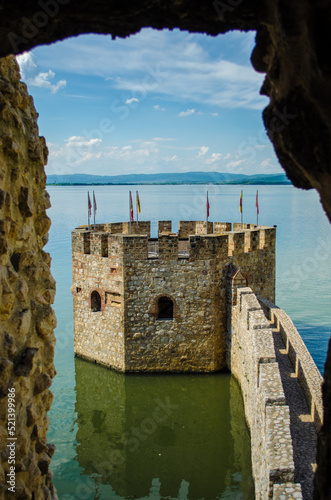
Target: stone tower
x=161 y=304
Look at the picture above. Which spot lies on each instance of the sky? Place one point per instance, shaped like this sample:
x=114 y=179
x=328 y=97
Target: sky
x=158 y=101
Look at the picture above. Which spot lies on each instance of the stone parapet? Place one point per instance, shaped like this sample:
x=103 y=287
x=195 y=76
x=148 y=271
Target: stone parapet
x=164 y=227
x=304 y=367
x=252 y=359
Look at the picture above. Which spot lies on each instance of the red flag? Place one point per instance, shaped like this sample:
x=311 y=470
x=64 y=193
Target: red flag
x=241 y=202
x=257 y=203
x=94 y=203
x=89 y=204
x=131 y=208
x=138 y=203
x=207 y=205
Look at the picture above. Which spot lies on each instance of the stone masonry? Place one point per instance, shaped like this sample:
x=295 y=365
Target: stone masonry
x=281 y=388
x=27 y=291
x=122 y=283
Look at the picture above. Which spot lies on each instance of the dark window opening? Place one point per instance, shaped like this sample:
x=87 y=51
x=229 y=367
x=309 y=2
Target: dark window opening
x=95 y=301
x=165 y=308
x=78 y=289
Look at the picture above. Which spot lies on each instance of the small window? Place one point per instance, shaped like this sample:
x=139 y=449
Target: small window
x=95 y=301
x=78 y=289
x=113 y=298
x=165 y=308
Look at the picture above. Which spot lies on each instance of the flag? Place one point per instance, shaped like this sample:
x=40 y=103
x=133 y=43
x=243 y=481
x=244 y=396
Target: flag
x=241 y=202
x=207 y=205
x=257 y=203
x=138 y=203
x=131 y=208
x=94 y=204
x=89 y=204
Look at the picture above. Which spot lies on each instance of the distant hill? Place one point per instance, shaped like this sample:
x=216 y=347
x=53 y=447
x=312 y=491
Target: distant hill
x=168 y=178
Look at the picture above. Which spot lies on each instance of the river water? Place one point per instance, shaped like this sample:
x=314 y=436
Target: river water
x=174 y=436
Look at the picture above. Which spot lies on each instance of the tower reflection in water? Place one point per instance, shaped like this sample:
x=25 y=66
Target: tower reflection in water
x=161 y=436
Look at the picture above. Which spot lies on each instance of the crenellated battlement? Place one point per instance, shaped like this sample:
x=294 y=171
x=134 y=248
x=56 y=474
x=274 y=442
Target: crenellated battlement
x=191 y=242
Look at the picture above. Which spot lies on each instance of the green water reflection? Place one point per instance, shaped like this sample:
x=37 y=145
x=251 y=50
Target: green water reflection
x=160 y=436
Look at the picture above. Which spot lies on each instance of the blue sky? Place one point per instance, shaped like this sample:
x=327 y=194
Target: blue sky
x=159 y=101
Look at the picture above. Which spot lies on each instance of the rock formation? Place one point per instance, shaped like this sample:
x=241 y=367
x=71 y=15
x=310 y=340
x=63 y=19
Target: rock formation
x=27 y=292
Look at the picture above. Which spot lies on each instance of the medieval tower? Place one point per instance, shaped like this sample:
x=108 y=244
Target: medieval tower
x=162 y=304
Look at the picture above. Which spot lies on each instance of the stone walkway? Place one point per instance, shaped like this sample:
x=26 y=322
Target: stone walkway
x=303 y=431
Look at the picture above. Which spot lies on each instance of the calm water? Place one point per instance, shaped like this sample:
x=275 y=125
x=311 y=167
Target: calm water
x=176 y=437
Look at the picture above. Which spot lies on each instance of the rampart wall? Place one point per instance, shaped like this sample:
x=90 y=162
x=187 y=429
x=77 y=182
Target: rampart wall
x=253 y=362
x=277 y=440
x=304 y=367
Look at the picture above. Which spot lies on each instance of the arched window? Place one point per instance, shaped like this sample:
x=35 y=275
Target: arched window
x=95 y=301
x=165 y=308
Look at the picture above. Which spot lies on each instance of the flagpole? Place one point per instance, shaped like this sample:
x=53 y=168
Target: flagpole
x=94 y=210
x=207 y=215
x=88 y=211
x=257 y=207
x=130 y=209
x=241 y=209
x=137 y=211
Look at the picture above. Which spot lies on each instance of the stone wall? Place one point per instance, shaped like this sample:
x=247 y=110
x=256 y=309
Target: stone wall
x=253 y=362
x=304 y=367
x=121 y=227
x=193 y=339
x=27 y=291
x=282 y=398
x=98 y=335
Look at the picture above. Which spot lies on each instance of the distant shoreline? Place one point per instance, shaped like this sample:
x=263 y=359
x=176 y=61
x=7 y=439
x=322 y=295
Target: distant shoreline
x=261 y=183
x=167 y=178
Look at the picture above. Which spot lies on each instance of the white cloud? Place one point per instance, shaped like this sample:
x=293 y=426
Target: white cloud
x=131 y=100
x=227 y=156
x=127 y=153
x=81 y=154
x=214 y=157
x=266 y=162
x=203 y=151
x=79 y=142
x=234 y=164
x=76 y=150
x=172 y=64
x=112 y=78
x=214 y=114
x=163 y=139
x=163 y=62
x=168 y=159
x=32 y=75
x=157 y=107
x=187 y=112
